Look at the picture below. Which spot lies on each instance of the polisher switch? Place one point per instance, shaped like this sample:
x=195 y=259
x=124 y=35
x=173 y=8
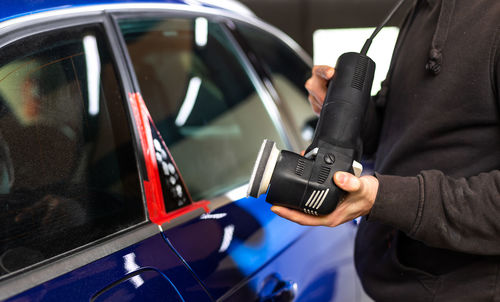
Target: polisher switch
x=357 y=168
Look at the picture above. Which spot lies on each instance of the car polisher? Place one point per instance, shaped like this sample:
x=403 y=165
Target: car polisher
x=305 y=183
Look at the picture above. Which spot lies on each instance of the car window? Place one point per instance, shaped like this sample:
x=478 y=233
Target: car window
x=287 y=70
x=68 y=172
x=201 y=99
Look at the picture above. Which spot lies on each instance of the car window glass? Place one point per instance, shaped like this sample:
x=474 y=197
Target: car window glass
x=68 y=173
x=287 y=70
x=201 y=100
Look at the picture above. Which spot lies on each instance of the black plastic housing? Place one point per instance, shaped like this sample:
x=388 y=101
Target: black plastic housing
x=348 y=94
x=306 y=184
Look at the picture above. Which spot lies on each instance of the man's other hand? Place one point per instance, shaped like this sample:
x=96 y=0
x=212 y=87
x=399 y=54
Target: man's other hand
x=316 y=85
x=359 y=200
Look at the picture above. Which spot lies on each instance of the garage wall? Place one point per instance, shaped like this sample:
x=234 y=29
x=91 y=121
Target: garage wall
x=300 y=18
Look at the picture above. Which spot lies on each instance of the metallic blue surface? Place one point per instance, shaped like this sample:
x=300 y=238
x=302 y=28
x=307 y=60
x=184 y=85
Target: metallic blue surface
x=229 y=247
x=159 y=267
x=17 y=8
x=10 y=9
x=135 y=289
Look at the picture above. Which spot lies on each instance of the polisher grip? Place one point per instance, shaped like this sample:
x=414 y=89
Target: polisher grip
x=347 y=97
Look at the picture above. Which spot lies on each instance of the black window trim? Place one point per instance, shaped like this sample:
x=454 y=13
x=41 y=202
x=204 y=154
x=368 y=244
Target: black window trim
x=270 y=103
x=256 y=62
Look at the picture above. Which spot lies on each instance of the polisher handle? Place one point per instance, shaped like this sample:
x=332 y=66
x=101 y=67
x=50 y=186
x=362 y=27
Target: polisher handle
x=347 y=97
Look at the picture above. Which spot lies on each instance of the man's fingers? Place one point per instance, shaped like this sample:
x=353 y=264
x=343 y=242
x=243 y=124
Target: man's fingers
x=317 y=92
x=297 y=216
x=331 y=220
x=317 y=85
x=324 y=71
x=347 y=181
x=314 y=103
x=317 y=88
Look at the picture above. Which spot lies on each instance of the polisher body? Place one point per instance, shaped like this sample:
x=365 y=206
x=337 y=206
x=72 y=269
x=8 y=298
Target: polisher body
x=305 y=183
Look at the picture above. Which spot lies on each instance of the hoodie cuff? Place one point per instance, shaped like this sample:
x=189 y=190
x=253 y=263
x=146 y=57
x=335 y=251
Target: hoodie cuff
x=397 y=202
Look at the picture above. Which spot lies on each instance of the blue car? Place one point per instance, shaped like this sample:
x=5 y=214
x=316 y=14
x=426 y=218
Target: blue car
x=128 y=132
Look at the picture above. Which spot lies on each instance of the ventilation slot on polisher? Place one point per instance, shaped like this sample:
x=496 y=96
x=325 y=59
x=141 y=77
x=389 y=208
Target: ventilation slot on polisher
x=358 y=80
x=323 y=174
x=299 y=170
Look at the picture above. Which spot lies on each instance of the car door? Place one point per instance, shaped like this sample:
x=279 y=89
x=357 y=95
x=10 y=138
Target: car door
x=212 y=111
x=74 y=226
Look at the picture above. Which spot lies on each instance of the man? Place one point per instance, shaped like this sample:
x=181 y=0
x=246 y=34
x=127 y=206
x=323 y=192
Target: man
x=432 y=225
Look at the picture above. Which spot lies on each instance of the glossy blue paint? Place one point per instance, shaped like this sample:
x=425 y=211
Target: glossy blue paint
x=17 y=8
x=318 y=263
x=159 y=268
x=157 y=288
x=230 y=245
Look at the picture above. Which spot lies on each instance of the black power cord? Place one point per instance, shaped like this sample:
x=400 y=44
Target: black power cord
x=368 y=42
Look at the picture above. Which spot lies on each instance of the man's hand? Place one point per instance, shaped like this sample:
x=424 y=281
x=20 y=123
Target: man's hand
x=316 y=85
x=358 y=202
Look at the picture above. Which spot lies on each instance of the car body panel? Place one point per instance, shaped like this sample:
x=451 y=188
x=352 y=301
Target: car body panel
x=231 y=253
x=152 y=264
x=229 y=245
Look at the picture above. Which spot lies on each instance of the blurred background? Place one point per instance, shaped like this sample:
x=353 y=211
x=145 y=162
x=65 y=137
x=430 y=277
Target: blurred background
x=327 y=28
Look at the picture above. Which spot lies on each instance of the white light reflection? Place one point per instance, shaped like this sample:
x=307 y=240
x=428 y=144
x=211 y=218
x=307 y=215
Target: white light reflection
x=227 y=238
x=327 y=47
x=130 y=267
x=201 y=31
x=188 y=104
x=307 y=133
x=192 y=2
x=213 y=216
x=93 y=72
x=227 y=4
x=238 y=193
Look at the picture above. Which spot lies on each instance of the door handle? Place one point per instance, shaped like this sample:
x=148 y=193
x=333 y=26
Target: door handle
x=277 y=290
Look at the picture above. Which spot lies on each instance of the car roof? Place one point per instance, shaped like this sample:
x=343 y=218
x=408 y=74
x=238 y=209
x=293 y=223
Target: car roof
x=13 y=9
x=26 y=11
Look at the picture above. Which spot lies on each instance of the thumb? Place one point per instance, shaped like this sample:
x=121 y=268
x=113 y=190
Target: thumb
x=347 y=181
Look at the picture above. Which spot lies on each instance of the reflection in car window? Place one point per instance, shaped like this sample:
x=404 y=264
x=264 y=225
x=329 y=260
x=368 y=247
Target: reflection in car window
x=201 y=99
x=287 y=70
x=67 y=168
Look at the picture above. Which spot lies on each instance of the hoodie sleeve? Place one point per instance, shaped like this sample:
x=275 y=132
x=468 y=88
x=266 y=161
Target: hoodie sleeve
x=443 y=212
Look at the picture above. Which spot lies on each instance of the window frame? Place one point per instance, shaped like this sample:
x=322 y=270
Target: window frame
x=257 y=62
x=270 y=103
x=36 y=274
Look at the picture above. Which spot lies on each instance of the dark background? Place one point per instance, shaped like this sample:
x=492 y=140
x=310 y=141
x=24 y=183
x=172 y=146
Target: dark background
x=300 y=18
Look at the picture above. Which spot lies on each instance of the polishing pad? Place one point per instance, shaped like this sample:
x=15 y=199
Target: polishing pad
x=263 y=169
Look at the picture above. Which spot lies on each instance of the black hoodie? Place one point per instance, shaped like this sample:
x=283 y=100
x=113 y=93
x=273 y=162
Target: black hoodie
x=434 y=231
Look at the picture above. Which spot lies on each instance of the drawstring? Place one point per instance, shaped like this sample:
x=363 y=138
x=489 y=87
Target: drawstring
x=434 y=64
x=435 y=60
